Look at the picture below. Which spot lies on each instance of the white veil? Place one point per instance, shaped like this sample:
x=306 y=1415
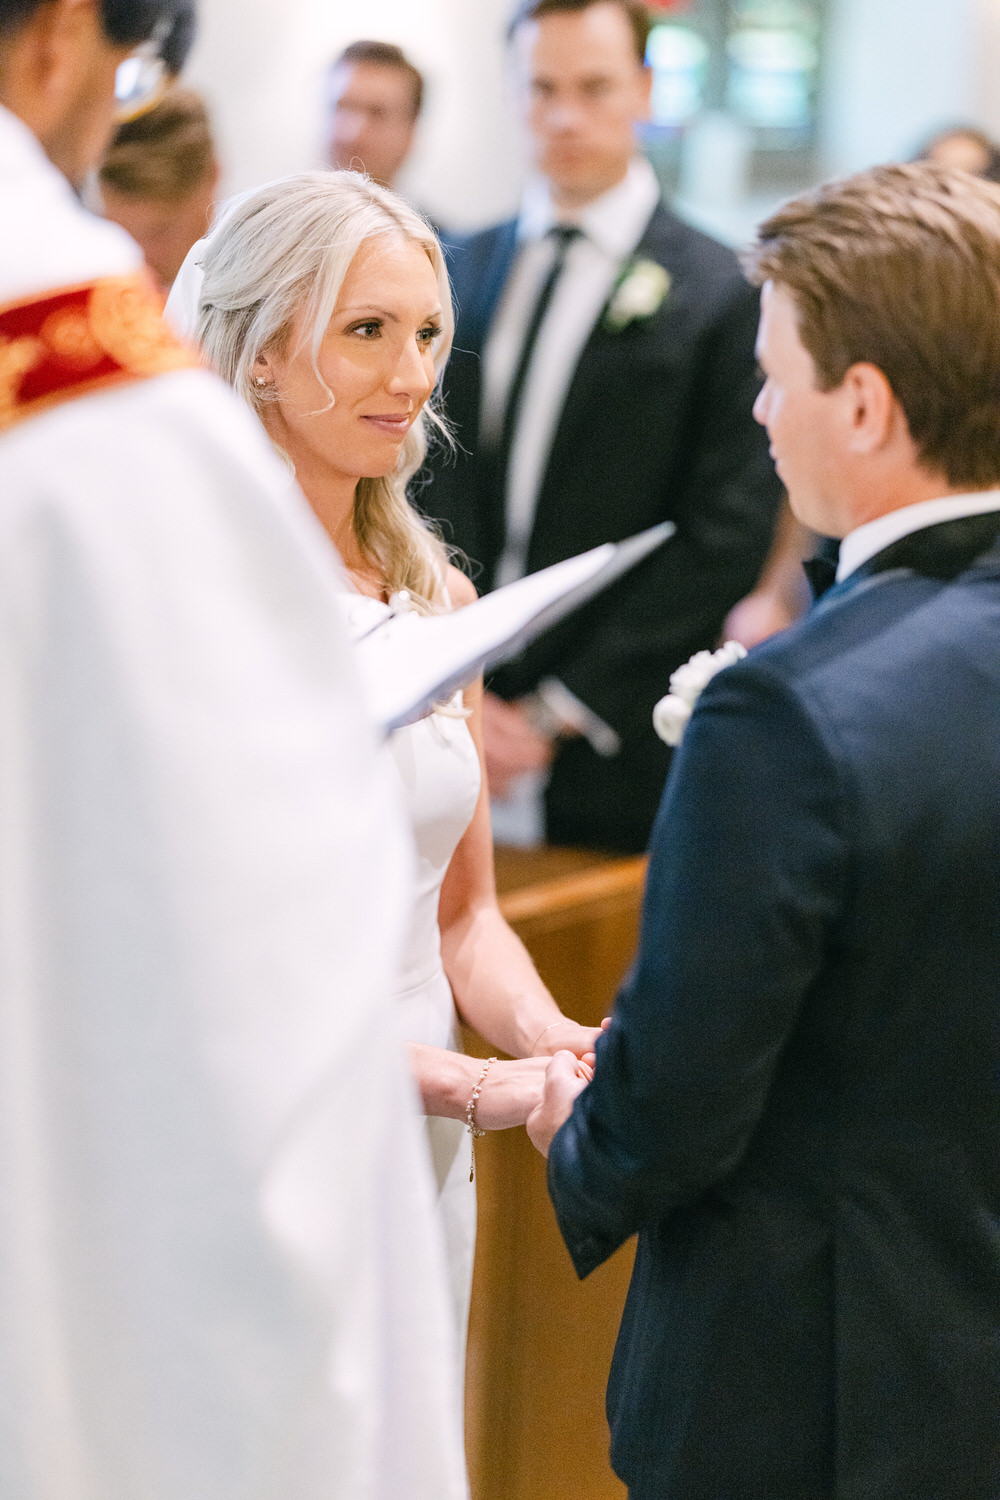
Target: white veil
x=181 y=311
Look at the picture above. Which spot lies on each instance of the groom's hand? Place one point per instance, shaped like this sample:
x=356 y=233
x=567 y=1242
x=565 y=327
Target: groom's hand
x=565 y=1078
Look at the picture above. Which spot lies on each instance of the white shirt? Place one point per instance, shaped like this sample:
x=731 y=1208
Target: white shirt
x=220 y=1273
x=874 y=536
x=612 y=226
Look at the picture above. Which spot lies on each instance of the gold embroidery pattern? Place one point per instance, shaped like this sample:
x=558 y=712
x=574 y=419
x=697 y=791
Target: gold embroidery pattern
x=68 y=332
x=17 y=357
x=82 y=339
x=126 y=319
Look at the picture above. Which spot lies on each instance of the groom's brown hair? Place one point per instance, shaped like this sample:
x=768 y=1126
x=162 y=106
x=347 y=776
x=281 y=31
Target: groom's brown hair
x=899 y=267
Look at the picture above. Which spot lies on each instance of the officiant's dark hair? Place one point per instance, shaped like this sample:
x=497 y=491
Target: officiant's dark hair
x=899 y=267
x=635 y=13
x=126 y=22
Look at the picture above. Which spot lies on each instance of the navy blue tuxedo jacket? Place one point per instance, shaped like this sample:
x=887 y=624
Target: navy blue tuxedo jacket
x=797 y=1105
x=656 y=426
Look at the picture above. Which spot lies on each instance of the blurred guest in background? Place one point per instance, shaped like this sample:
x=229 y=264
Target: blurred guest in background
x=159 y=178
x=965 y=147
x=603 y=380
x=374 y=99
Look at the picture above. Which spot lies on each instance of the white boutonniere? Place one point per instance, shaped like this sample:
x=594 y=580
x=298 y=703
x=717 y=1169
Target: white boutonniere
x=671 y=714
x=640 y=292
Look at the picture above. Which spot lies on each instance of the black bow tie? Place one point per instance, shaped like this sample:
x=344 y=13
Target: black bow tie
x=821 y=572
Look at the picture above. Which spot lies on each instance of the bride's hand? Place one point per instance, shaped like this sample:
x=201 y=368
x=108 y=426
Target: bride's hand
x=509 y=1092
x=567 y=1036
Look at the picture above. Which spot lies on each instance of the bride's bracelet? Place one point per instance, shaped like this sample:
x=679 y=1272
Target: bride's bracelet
x=565 y=1021
x=470 y=1114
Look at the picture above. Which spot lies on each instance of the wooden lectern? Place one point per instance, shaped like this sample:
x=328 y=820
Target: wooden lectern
x=540 y=1341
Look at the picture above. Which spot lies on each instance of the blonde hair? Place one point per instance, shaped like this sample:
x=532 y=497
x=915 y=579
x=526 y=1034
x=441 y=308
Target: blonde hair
x=284 y=250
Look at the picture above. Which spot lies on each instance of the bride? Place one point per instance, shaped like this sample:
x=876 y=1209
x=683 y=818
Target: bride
x=325 y=303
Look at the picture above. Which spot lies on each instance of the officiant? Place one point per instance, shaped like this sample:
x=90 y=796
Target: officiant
x=219 y=1273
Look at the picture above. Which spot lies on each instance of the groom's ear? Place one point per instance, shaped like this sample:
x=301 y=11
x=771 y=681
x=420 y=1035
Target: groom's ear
x=872 y=411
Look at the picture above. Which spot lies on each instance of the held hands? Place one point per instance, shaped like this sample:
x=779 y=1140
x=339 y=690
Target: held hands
x=509 y=1093
x=512 y=1091
x=566 y=1078
x=571 y=1067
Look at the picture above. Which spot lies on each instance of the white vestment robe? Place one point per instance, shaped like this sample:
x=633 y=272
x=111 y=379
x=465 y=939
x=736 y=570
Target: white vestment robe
x=220 y=1277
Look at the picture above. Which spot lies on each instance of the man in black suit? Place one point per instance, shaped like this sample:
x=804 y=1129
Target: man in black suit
x=797 y=1103
x=602 y=381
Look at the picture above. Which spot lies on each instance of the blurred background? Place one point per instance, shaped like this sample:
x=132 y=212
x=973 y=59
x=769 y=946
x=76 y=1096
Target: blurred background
x=752 y=98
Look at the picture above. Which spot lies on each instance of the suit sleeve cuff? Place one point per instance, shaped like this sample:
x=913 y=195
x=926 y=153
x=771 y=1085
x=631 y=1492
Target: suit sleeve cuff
x=589 y=1241
x=564 y=713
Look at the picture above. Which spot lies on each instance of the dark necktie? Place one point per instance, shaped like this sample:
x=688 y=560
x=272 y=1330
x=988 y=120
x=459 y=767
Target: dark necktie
x=564 y=235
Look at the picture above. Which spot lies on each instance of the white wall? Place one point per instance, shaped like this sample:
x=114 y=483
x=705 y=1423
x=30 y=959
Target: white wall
x=986 y=65
x=897 y=70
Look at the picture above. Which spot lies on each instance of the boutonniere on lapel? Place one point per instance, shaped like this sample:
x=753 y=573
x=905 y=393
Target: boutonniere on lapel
x=639 y=292
x=671 y=714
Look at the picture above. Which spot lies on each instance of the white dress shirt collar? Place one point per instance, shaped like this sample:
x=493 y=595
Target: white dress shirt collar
x=615 y=221
x=865 y=541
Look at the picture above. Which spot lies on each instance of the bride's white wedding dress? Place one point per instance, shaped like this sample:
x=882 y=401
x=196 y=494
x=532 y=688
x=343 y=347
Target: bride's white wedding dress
x=439 y=770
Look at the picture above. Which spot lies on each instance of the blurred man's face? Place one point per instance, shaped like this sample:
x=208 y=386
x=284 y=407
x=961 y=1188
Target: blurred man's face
x=583 y=90
x=164 y=231
x=371 y=119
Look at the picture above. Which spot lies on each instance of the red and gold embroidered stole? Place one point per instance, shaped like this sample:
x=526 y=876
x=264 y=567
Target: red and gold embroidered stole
x=81 y=339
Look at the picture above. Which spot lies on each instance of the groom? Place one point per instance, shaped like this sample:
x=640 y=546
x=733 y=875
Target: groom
x=797 y=1104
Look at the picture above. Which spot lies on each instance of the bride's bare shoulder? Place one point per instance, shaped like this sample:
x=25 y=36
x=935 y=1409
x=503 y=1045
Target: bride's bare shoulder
x=461 y=590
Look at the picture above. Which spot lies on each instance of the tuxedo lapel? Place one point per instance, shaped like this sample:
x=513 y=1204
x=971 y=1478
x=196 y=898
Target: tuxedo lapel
x=943 y=551
x=590 y=377
x=611 y=367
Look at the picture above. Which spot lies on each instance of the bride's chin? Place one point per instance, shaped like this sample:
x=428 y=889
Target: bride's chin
x=382 y=467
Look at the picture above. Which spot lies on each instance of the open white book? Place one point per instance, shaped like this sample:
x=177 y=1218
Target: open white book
x=409 y=662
